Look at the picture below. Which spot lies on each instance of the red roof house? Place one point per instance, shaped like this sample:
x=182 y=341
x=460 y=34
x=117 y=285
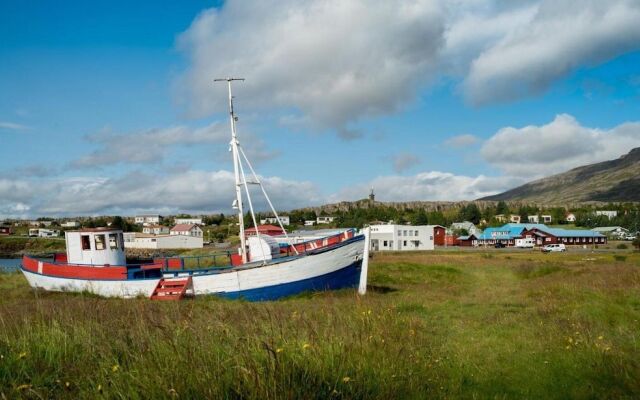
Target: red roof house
x=270 y=230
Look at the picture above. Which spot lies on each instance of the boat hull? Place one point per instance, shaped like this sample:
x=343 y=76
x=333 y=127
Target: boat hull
x=332 y=268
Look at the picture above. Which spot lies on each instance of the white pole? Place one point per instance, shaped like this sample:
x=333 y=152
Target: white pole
x=362 y=288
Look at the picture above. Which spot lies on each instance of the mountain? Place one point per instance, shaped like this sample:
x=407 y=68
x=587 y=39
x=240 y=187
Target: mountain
x=614 y=180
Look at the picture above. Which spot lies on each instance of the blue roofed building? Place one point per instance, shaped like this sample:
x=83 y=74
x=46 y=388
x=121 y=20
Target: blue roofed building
x=508 y=235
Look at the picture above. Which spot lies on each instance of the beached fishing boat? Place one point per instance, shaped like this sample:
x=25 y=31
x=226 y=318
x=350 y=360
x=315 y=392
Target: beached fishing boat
x=264 y=268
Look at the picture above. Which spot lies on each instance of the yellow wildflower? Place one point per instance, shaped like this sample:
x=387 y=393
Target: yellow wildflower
x=600 y=337
x=115 y=368
x=23 y=387
x=67 y=384
x=346 y=379
x=100 y=388
x=22 y=355
x=305 y=346
x=279 y=350
x=412 y=332
x=172 y=392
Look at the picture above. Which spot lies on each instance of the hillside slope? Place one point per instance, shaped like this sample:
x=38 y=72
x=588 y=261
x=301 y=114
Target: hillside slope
x=614 y=180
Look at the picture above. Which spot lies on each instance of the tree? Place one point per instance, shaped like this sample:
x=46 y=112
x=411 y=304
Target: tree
x=502 y=208
x=420 y=218
x=470 y=212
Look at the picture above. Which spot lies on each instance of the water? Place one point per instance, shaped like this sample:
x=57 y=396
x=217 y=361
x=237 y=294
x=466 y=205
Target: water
x=9 y=264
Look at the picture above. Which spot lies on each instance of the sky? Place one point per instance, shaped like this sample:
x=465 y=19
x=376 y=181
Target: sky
x=109 y=107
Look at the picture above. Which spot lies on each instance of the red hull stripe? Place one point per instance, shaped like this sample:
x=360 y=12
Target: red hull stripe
x=74 y=271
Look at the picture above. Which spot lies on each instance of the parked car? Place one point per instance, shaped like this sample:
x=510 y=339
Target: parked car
x=548 y=248
x=499 y=245
x=629 y=237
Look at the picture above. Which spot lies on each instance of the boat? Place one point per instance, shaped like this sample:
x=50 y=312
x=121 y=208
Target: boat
x=264 y=268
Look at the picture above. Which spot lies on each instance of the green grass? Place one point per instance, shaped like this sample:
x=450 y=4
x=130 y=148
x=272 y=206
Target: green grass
x=441 y=325
x=13 y=245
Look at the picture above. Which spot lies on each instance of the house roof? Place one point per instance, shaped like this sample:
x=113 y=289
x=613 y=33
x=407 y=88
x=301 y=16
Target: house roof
x=608 y=228
x=265 y=228
x=183 y=227
x=572 y=233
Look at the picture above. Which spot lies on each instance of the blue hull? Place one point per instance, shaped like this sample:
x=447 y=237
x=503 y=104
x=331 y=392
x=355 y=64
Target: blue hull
x=347 y=277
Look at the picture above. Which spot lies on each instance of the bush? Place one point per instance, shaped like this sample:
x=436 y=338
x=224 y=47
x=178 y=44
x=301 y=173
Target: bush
x=622 y=246
x=620 y=258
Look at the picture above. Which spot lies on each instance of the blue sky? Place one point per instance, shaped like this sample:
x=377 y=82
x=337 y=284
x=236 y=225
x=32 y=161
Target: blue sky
x=109 y=107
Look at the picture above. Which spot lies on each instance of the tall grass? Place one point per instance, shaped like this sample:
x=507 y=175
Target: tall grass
x=434 y=325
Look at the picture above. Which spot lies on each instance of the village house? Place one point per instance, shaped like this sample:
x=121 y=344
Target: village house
x=188 y=221
x=156 y=230
x=570 y=217
x=406 y=237
x=70 y=224
x=324 y=220
x=268 y=230
x=607 y=213
x=616 y=232
x=148 y=219
x=540 y=233
x=465 y=225
x=537 y=219
x=186 y=230
x=284 y=220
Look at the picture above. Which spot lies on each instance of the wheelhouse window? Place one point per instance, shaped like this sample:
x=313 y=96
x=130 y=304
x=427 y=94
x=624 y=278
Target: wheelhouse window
x=86 y=242
x=100 y=242
x=121 y=240
x=113 y=241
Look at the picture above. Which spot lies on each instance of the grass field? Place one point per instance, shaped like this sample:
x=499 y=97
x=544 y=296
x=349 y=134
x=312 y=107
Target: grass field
x=433 y=325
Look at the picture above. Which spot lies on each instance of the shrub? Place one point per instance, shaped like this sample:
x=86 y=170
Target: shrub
x=620 y=258
x=621 y=246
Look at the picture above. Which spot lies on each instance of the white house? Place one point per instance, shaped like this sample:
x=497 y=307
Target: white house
x=186 y=230
x=284 y=220
x=607 y=213
x=402 y=237
x=309 y=222
x=148 y=219
x=324 y=220
x=571 y=217
x=134 y=240
x=156 y=230
x=43 y=232
x=188 y=221
x=70 y=224
x=467 y=226
x=612 y=231
x=546 y=219
x=514 y=219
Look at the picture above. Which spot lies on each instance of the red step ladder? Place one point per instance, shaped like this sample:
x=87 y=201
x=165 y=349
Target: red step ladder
x=173 y=289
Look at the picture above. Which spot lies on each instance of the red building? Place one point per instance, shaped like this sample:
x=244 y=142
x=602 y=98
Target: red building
x=5 y=230
x=269 y=230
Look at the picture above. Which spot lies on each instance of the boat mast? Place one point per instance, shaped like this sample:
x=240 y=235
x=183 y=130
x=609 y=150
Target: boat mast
x=236 y=168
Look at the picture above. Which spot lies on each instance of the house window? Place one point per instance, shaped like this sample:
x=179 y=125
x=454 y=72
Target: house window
x=404 y=233
x=390 y=243
x=86 y=242
x=384 y=243
x=100 y=242
x=113 y=241
x=404 y=243
x=416 y=233
x=399 y=233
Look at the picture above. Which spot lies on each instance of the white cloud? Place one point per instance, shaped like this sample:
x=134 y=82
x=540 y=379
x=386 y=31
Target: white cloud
x=335 y=61
x=562 y=36
x=535 y=151
x=190 y=191
x=12 y=126
x=149 y=147
x=428 y=186
x=404 y=161
x=460 y=141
